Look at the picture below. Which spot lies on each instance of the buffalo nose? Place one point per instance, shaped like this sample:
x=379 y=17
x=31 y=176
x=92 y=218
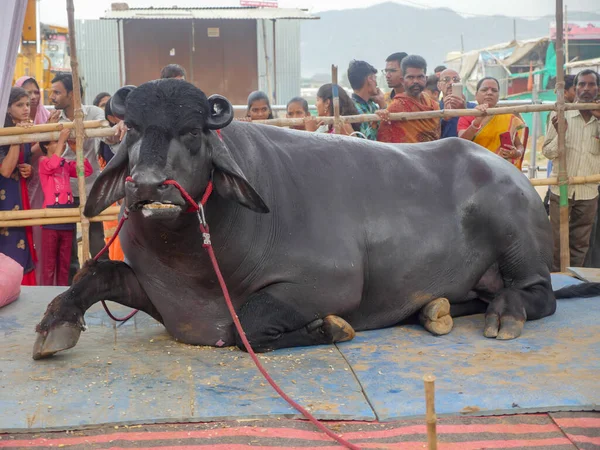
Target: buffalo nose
x=147 y=186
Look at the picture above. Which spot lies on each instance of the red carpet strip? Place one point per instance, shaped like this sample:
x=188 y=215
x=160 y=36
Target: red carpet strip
x=562 y=431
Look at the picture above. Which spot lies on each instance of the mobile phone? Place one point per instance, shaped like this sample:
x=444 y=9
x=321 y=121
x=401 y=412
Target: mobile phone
x=457 y=89
x=506 y=139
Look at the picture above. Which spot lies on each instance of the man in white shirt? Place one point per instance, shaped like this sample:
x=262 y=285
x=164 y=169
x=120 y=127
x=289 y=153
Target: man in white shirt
x=583 y=158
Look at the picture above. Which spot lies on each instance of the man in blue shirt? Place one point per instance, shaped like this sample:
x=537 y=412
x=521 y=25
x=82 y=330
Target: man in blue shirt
x=447 y=78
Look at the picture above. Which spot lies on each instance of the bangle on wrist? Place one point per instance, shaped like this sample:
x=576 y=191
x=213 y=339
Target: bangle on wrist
x=475 y=126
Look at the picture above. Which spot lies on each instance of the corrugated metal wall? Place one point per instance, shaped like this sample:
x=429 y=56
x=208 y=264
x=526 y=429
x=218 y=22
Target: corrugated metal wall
x=287 y=42
x=98 y=54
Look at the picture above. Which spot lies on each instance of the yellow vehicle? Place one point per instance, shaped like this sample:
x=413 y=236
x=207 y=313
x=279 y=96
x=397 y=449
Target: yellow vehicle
x=44 y=49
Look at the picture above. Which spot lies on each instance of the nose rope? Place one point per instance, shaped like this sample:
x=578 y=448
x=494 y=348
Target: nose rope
x=199 y=208
x=193 y=207
x=100 y=253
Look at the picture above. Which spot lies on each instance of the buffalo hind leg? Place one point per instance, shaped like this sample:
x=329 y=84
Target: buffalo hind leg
x=63 y=321
x=435 y=317
x=270 y=324
x=506 y=314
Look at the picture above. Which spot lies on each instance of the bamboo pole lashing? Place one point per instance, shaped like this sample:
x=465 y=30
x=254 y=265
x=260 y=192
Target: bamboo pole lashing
x=22 y=218
x=53 y=221
x=430 y=416
x=47 y=127
x=113 y=211
x=51 y=212
x=79 y=132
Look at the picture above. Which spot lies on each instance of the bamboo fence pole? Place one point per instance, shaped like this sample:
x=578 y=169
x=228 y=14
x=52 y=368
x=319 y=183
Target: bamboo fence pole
x=562 y=154
x=53 y=221
x=79 y=133
x=52 y=136
x=114 y=210
x=12 y=138
x=589 y=179
x=337 y=124
x=46 y=213
x=442 y=114
x=430 y=417
x=46 y=127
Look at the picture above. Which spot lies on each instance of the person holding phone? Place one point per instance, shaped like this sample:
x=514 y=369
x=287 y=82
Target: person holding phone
x=503 y=134
x=452 y=98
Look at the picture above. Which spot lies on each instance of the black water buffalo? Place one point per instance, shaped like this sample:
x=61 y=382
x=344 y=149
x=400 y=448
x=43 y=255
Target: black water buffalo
x=316 y=235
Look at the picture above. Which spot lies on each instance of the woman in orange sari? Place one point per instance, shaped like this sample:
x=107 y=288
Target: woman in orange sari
x=105 y=154
x=486 y=130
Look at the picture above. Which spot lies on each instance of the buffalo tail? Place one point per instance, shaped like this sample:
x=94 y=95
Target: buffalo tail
x=579 y=290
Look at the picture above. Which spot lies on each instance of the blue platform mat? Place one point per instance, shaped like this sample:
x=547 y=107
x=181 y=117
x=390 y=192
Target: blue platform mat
x=137 y=373
x=553 y=366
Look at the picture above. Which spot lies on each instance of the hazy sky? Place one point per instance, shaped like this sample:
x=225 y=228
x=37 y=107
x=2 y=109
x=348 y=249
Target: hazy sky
x=54 y=12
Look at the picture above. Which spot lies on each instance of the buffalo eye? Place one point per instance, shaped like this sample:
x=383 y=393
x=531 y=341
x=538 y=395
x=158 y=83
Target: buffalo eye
x=132 y=126
x=191 y=132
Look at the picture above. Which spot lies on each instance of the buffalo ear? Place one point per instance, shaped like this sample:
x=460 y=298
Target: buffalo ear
x=220 y=112
x=109 y=187
x=117 y=101
x=230 y=182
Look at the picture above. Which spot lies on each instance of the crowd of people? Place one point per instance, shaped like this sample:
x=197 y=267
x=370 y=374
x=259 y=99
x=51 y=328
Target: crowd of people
x=43 y=175
x=411 y=90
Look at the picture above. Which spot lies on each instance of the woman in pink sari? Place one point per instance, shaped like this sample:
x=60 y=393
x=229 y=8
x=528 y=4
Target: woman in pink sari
x=38 y=115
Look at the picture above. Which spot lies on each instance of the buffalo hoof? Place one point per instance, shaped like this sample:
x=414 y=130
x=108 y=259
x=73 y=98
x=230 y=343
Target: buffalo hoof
x=435 y=317
x=59 y=338
x=338 y=329
x=504 y=328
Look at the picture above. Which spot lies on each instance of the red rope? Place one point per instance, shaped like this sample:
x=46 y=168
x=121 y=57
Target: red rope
x=260 y=367
x=195 y=207
x=208 y=246
x=100 y=253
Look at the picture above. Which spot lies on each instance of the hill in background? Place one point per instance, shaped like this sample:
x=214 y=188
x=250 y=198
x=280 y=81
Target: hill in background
x=373 y=33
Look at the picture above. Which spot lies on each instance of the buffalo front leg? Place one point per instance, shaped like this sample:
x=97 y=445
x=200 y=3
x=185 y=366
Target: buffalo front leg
x=435 y=317
x=270 y=324
x=63 y=320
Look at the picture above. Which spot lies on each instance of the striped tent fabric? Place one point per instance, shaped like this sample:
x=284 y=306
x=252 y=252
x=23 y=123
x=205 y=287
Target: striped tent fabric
x=556 y=431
